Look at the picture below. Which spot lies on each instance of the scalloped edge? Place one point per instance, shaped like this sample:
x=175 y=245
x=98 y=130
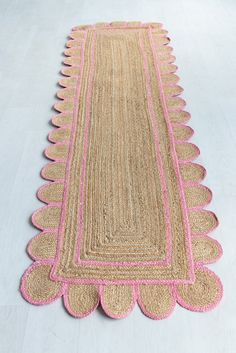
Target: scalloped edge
x=168 y=79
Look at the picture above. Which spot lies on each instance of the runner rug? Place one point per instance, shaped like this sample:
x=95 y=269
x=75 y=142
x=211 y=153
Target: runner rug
x=124 y=220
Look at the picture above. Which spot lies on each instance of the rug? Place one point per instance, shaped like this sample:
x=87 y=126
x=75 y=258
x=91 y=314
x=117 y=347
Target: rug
x=124 y=220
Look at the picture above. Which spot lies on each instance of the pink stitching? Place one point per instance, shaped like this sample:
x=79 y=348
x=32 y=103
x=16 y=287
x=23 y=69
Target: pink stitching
x=44 y=199
x=52 y=262
x=85 y=147
x=207 y=307
x=24 y=291
x=29 y=250
x=175 y=160
x=55 y=275
x=74 y=313
x=181 y=125
x=213 y=227
x=44 y=170
x=38 y=211
x=158 y=152
x=72 y=139
x=88 y=262
x=47 y=150
x=118 y=316
x=132 y=263
x=219 y=247
x=152 y=315
x=50 y=137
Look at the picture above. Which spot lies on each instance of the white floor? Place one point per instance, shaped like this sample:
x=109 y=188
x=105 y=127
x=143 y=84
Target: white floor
x=33 y=34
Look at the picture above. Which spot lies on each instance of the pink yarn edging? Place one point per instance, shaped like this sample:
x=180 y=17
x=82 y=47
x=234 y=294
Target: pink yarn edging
x=175 y=160
x=206 y=307
x=72 y=139
x=76 y=314
x=155 y=316
x=24 y=291
x=118 y=316
x=186 y=184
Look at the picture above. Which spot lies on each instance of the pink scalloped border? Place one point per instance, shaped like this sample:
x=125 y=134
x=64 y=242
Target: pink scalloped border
x=165 y=98
x=54 y=274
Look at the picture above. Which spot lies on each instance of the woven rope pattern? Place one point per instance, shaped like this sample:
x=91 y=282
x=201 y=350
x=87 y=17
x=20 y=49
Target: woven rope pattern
x=124 y=219
x=128 y=132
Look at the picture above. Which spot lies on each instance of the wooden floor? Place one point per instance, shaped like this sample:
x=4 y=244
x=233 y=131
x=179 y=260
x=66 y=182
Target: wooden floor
x=32 y=37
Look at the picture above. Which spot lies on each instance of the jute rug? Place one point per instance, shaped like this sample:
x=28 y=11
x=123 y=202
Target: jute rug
x=125 y=219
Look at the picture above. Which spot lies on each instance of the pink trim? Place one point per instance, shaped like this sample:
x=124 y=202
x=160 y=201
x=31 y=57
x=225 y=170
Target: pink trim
x=44 y=199
x=212 y=214
x=66 y=72
x=194 y=164
x=72 y=36
x=74 y=313
x=186 y=127
x=23 y=287
x=173 y=80
x=69 y=63
x=68 y=163
x=170 y=60
x=171 y=68
x=199 y=186
x=175 y=161
x=66 y=82
x=110 y=313
x=80 y=227
x=170 y=94
x=195 y=148
x=158 y=152
x=59 y=106
x=69 y=84
x=85 y=147
x=54 y=275
x=72 y=43
x=75 y=50
x=87 y=263
x=61 y=115
x=40 y=235
x=44 y=170
x=47 y=151
x=153 y=315
x=61 y=93
x=38 y=211
x=187 y=116
x=207 y=307
x=180 y=103
x=219 y=248
x=83 y=173
x=53 y=140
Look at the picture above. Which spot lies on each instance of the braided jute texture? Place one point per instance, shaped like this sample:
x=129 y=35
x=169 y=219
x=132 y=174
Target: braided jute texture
x=125 y=219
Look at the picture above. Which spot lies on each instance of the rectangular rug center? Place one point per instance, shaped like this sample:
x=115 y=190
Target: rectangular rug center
x=123 y=213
